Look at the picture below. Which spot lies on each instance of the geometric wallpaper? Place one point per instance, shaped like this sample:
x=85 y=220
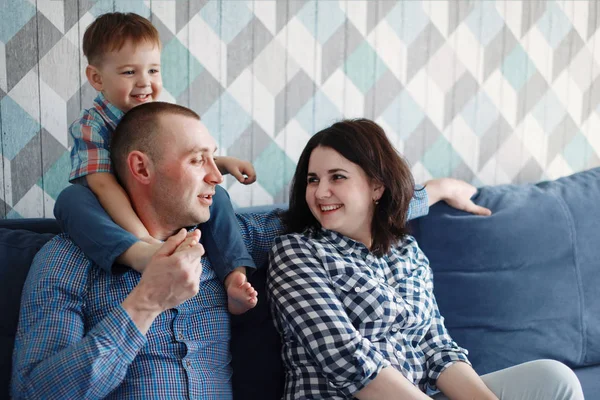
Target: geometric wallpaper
x=487 y=91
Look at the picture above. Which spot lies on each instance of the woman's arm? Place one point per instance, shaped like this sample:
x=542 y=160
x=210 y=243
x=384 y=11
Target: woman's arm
x=460 y=381
x=390 y=384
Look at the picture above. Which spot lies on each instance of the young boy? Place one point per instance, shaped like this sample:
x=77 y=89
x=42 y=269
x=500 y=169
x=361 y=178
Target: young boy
x=123 y=52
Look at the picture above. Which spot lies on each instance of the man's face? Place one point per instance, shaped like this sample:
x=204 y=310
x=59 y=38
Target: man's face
x=185 y=174
x=131 y=76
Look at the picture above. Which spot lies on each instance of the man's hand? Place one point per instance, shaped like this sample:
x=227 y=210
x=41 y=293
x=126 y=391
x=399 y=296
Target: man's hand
x=242 y=170
x=456 y=193
x=171 y=277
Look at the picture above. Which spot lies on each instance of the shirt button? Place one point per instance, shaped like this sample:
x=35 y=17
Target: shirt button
x=394 y=329
x=188 y=363
x=399 y=354
x=398 y=300
x=180 y=336
x=417 y=290
x=357 y=289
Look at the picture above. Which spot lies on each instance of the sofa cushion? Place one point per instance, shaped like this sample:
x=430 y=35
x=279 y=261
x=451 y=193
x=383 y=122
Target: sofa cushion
x=17 y=249
x=519 y=285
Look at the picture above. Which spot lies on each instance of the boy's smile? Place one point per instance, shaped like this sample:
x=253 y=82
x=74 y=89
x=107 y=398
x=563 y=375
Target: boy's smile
x=130 y=76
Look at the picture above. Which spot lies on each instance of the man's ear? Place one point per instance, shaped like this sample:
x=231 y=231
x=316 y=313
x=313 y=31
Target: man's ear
x=140 y=167
x=94 y=77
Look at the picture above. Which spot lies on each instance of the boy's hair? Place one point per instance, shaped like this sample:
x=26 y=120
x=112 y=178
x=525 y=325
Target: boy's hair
x=109 y=32
x=364 y=143
x=138 y=130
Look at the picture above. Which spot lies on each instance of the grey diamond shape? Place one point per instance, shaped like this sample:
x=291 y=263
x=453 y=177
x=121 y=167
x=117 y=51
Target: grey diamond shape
x=206 y=90
x=530 y=94
x=421 y=139
x=376 y=11
x=426 y=44
x=26 y=168
x=564 y=132
x=491 y=140
x=463 y=171
x=335 y=50
x=380 y=96
x=4 y=209
x=497 y=50
x=463 y=90
x=286 y=10
x=252 y=142
x=531 y=172
x=591 y=99
x=457 y=13
x=21 y=53
x=532 y=12
x=165 y=33
x=48 y=35
x=242 y=50
x=291 y=99
x=52 y=150
x=565 y=52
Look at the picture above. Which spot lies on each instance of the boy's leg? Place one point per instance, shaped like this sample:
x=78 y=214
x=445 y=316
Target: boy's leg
x=222 y=239
x=81 y=216
x=534 y=380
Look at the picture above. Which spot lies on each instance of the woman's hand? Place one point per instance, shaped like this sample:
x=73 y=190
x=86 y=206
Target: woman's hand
x=456 y=193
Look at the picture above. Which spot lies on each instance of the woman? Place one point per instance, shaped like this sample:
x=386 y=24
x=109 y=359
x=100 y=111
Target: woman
x=352 y=293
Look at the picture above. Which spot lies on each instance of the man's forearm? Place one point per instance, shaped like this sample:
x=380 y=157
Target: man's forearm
x=89 y=368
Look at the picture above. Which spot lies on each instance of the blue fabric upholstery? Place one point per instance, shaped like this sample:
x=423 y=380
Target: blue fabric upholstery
x=519 y=285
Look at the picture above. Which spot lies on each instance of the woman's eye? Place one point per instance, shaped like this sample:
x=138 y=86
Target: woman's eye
x=337 y=177
x=312 y=180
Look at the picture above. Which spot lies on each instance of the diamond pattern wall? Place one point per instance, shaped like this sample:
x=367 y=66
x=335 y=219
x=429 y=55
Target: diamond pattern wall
x=487 y=91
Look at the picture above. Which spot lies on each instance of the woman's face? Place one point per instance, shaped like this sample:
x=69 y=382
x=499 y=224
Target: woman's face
x=340 y=195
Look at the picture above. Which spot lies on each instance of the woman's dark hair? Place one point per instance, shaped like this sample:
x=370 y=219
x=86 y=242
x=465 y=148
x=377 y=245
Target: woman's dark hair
x=364 y=143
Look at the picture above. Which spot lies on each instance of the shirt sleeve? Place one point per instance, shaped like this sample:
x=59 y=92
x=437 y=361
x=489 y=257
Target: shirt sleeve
x=90 y=152
x=438 y=346
x=54 y=357
x=307 y=309
x=259 y=230
x=419 y=205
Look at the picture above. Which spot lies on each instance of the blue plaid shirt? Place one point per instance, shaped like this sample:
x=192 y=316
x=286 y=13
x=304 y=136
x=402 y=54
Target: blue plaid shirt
x=344 y=314
x=75 y=341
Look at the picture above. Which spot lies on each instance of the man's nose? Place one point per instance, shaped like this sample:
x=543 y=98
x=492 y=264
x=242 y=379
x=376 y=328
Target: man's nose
x=213 y=175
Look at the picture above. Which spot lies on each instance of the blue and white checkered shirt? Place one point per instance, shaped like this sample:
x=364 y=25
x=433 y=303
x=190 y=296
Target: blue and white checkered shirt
x=75 y=340
x=344 y=314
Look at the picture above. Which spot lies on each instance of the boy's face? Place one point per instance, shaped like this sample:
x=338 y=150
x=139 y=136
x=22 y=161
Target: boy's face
x=130 y=76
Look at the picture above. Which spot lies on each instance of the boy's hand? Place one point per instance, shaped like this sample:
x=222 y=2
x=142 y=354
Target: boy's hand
x=456 y=193
x=242 y=170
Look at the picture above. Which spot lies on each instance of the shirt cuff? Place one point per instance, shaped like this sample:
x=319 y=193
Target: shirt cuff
x=122 y=334
x=419 y=205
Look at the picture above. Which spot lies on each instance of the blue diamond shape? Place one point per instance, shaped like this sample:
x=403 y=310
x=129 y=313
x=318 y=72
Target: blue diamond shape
x=549 y=112
x=101 y=7
x=57 y=176
x=480 y=113
x=226 y=18
x=274 y=179
x=178 y=67
x=325 y=113
x=403 y=114
x=578 y=152
x=485 y=22
x=517 y=68
x=322 y=19
x=364 y=67
x=554 y=25
x=18 y=127
x=133 y=6
x=226 y=120
x=441 y=159
x=15 y=14
x=408 y=20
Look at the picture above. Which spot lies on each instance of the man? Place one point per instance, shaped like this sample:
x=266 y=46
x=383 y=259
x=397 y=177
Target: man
x=85 y=333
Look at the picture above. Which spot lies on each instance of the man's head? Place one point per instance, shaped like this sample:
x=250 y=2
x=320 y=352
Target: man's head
x=164 y=157
x=123 y=52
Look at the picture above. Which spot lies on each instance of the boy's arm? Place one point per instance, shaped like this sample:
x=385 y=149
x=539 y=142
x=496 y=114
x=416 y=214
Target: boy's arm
x=242 y=170
x=115 y=201
x=456 y=193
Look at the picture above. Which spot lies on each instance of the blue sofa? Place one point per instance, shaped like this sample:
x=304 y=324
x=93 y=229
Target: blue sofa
x=519 y=285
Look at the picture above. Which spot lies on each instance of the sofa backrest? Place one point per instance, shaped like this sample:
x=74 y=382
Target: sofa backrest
x=521 y=284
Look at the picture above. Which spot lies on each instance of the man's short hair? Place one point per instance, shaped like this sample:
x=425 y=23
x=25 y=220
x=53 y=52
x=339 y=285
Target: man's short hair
x=110 y=32
x=139 y=130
